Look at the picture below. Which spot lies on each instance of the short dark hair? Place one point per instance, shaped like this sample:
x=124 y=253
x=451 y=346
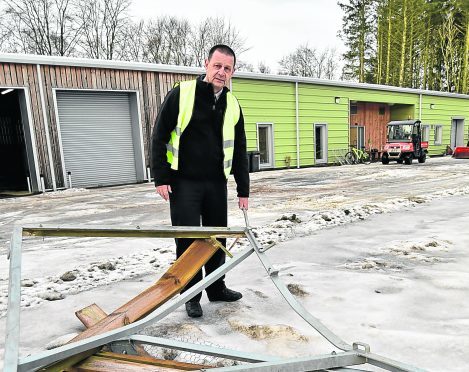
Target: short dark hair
x=222 y=48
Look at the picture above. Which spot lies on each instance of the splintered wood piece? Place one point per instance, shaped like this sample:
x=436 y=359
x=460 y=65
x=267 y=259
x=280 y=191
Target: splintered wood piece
x=171 y=283
x=152 y=361
x=90 y=315
x=100 y=364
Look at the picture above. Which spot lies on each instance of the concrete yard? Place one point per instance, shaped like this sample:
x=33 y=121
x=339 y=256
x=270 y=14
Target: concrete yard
x=380 y=254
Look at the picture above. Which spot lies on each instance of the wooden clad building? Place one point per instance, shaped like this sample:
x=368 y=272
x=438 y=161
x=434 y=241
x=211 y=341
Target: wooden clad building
x=56 y=98
x=68 y=122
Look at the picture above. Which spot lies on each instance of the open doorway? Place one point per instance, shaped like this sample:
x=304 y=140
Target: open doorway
x=15 y=162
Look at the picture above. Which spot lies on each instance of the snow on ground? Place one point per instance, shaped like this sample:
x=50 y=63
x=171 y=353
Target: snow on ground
x=378 y=253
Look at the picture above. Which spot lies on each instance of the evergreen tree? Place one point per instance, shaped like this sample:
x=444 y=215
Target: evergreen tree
x=358 y=34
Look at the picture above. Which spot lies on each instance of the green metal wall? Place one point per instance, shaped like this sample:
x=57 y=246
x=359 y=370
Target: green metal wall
x=269 y=102
x=444 y=109
x=273 y=102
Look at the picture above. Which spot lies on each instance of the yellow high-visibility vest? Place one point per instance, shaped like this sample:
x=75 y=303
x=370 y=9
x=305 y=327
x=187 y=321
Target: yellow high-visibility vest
x=186 y=107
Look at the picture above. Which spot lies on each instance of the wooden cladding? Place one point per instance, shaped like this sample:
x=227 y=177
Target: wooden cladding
x=373 y=117
x=151 y=86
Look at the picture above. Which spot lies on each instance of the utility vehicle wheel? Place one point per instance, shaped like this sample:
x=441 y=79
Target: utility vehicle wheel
x=422 y=158
x=400 y=161
x=384 y=159
x=408 y=160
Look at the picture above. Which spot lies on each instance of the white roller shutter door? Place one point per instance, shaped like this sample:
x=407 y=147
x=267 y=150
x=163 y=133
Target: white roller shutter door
x=96 y=135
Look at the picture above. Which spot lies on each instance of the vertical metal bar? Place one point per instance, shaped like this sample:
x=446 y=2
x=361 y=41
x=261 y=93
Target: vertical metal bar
x=28 y=181
x=148 y=174
x=12 y=337
x=297 y=126
x=46 y=126
x=420 y=106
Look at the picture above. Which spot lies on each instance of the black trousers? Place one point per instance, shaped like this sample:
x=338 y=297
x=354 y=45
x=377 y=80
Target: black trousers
x=196 y=203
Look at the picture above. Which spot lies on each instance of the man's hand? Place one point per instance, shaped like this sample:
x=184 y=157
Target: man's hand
x=164 y=191
x=243 y=203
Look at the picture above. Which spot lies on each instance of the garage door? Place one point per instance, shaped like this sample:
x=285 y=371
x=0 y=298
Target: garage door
x=96 y=134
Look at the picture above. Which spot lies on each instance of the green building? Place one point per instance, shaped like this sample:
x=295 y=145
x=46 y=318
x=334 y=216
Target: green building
x=70 y=122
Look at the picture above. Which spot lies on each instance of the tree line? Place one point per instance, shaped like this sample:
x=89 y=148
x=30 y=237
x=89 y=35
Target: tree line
x=104 y=29
x=408 y=43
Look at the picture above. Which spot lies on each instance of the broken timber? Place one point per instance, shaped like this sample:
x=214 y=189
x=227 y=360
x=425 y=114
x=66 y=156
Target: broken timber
x=357 y=353
x=171 y=283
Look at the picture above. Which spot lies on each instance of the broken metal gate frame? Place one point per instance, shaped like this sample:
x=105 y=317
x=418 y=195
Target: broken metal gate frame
x=124 y=337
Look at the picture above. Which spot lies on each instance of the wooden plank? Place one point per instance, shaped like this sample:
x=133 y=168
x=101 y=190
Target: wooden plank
x=171 y=283
x=90 y=315
x=100 y=364
x=152 y=361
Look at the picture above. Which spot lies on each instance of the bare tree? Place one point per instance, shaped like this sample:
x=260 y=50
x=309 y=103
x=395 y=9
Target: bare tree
x=104 y=23
x=331 y=65
x=263 y=68
x=46 y=27
x=244 y=66
x=133 y=42
x=168 y=41
x=212 y=31
x=308 y=62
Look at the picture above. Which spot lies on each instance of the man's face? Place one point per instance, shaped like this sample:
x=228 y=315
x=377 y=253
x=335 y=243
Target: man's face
x=219 y=70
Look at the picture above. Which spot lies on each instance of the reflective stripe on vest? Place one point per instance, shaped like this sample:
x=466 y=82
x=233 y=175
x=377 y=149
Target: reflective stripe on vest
x=186 y=107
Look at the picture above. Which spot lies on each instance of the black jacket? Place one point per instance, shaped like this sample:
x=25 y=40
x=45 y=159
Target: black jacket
x=201 y=144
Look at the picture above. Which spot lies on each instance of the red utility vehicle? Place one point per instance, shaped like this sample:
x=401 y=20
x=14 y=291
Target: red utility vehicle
x=404 y=142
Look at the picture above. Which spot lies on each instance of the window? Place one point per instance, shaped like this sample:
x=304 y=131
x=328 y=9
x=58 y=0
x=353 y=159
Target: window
x=382 y=110
x=320 y=143
x=425 y=133
x=438 y=134
x=353 y=109
x=265 y=143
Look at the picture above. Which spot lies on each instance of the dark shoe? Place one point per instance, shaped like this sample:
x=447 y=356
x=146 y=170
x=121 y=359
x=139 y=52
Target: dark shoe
x=226 y=295
x=194 y=310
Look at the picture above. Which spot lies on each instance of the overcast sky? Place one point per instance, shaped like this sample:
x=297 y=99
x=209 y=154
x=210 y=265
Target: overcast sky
x=272 y=28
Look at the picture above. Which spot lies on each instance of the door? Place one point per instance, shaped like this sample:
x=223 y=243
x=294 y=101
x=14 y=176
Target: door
x=457 y=132
x=357 y=136
x=97 y=138
x=320 y=143
x=265 y=144
x=18 y=171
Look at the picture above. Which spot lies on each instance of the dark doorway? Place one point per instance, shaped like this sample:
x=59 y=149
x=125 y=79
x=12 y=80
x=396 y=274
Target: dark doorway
x=13 y=158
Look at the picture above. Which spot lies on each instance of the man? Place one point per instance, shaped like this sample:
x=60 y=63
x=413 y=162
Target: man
x=198 y=140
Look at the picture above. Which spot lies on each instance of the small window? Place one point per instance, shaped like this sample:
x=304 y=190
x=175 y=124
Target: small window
x=425 y=133
x=382 y=110
x=353 y=109
x=438 y=134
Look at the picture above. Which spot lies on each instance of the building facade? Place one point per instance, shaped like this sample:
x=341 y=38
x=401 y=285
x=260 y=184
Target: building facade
x=67 y=122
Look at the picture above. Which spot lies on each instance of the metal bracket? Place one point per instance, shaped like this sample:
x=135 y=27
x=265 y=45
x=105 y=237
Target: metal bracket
x=217 y=244
x=361 y=346
x=123 y=347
